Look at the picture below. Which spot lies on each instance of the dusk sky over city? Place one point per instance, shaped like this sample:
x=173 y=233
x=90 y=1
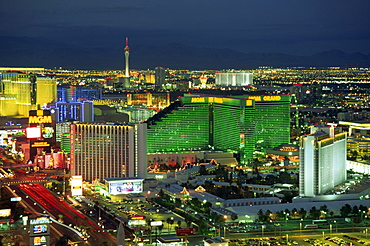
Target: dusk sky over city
x=288 y=26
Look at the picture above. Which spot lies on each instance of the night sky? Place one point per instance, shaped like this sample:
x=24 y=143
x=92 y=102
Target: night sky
x=296 y=27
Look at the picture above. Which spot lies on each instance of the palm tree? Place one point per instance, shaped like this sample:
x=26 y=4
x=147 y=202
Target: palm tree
x=170 y=222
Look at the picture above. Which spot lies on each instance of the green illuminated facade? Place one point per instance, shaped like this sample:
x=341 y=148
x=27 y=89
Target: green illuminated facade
x=240 y=125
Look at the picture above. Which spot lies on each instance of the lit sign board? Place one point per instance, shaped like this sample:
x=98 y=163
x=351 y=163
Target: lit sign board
x=271 y=98
x=137 y=218
x=265 y=98
x=156 y=223
x=125 y=187
x=5 y=212
x=255 y=98
x=15 y=199
x=40 y=119
x=288 y=148
x=137 y=221
x=197 y=99
x=47 y=132
x=33 y=132
x=40 y=240
x=40 y=221
x=215 y=99
x=40 y=229
x=40 y=144
x=76 y=185
x=185 y=231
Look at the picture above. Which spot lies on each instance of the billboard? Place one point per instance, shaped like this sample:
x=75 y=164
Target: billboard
x=41 y=131
x=76 y=185
x=33 y=132
x=40 y=241
x=5 y=212
x=185 y=231
x=136 y=221
x=125 y=186
x=37 y=229
x=40 y=231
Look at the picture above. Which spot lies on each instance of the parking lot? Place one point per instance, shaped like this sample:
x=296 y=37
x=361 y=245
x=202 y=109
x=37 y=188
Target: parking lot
x=342 y=240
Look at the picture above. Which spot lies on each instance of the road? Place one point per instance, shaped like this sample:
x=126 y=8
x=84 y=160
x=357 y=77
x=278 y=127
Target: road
x=40 y=200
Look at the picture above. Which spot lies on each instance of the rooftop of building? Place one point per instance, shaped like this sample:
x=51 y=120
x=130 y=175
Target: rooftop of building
x=215 y=240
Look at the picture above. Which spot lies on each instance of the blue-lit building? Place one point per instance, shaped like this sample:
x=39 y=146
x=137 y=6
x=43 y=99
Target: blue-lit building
x=78 y=93
x=72 y=111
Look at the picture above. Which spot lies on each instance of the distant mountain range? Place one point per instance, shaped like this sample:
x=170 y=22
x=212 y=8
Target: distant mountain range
x=38 y=52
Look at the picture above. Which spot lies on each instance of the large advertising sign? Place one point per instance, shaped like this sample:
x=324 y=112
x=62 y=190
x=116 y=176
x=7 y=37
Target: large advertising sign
x=40 y=231
x=137 y=221
x=40 y=241
x=37 y=229
x=76 y=185
x=41 y=130
x=5 y=212
x=185 y=231
x=33 y=132
x=125 y=187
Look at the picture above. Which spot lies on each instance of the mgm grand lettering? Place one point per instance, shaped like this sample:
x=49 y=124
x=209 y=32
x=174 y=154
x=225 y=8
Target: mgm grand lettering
x=264 y=98
x=197 y=99
x=255 y=98
x=40 y=119
x=271 y=98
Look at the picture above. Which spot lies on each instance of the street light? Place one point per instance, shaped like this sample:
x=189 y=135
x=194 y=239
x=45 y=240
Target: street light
x=263 y=228
x=331 y=229
x=336 y=227
x=225 y=218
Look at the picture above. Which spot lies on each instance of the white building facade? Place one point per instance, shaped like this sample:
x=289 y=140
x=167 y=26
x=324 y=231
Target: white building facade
x=323 y=161
x=101 y=150
x=234 y=79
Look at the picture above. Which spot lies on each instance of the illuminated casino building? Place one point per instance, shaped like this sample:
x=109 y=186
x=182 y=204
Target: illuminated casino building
x=105 y=150
x=21 y=92
x=69 y=93
x=156 y=100
x=240 y=125
x=234 y=79
x=77 y=111
x=323 y=161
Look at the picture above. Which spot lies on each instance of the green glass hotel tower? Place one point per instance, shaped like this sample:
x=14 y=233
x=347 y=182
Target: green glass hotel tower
x=242 y=124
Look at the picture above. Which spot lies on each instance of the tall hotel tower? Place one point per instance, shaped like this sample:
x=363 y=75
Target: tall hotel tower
x=127 y=54
x=322 y=161
x=240 y=125
x=124 y=80
x=100 y=151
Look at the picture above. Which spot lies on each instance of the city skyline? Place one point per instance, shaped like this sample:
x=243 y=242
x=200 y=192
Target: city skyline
x=295 y=28
x=205 y=160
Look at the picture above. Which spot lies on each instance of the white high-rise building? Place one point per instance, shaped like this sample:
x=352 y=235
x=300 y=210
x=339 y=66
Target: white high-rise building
x=103 y=150
x=322 y=161
x=234 y=79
